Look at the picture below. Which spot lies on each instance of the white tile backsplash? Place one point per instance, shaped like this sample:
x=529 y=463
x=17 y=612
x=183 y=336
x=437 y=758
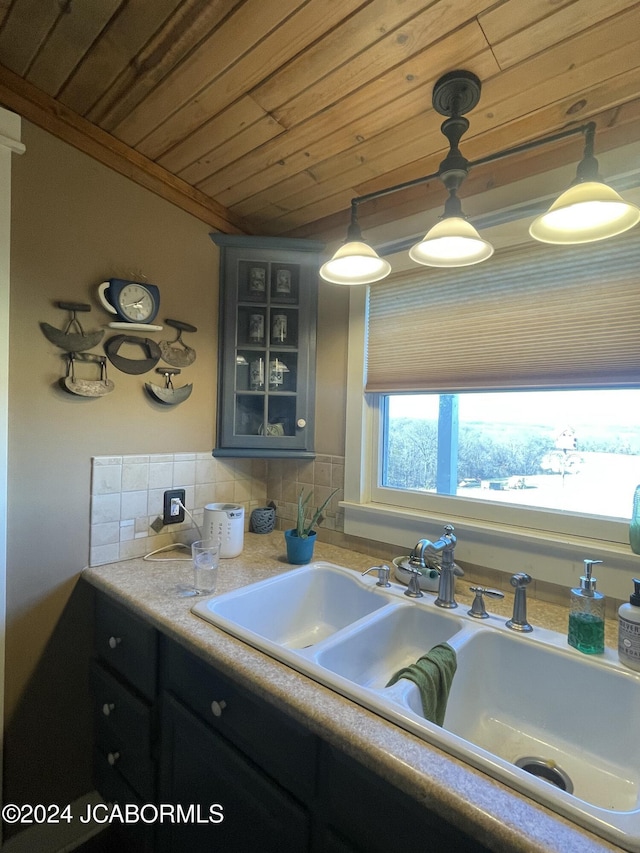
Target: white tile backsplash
x=184 y=473
x=160 y=475
x=105 y=508
x=135 y=476
x=105 y=534
x=127 y=495
x=107 y=479
x=101 y=461
x=133 y=504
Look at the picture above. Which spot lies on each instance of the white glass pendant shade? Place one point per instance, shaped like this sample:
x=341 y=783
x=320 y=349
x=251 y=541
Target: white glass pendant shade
x=355 y=263
x=586 y=212
x=452 y=242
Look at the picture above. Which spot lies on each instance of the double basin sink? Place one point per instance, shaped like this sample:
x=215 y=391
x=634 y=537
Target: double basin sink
x=528 y=710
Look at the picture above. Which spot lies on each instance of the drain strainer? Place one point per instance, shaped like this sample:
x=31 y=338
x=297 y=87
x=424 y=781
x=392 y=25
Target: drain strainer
x=547 y=770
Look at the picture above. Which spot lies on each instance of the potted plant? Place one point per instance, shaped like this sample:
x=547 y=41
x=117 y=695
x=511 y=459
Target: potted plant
x=301 y=538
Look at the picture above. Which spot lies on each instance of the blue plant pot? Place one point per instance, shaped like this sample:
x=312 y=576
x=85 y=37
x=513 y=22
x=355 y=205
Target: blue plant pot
x=299 y=551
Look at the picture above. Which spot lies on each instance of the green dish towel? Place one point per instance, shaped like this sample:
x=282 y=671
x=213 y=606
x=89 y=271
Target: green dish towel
x=433 y=673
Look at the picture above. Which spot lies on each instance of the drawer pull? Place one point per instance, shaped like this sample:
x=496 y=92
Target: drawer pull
x=114 y=642
x=112 y=757
x=218 y=707
x=108 y=708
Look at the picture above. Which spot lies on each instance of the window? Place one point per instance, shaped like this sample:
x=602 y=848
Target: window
x=575 y=451
x=491 y=337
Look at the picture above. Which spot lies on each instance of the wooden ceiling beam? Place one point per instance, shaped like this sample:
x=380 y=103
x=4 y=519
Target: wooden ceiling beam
x=44 y=111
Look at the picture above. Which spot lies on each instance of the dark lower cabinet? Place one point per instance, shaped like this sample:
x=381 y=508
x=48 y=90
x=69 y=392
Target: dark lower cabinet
x=123 y=687
x=211 y=780
x=363 y=813
x=227 y=771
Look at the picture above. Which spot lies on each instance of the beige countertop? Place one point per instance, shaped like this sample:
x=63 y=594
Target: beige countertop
x=485 y=809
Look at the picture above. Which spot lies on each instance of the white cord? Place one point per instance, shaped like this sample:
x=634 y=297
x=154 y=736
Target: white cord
x=191 y=517
x=174 y=545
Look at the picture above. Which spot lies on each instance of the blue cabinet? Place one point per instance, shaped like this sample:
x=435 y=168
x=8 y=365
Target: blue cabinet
x=268 y=310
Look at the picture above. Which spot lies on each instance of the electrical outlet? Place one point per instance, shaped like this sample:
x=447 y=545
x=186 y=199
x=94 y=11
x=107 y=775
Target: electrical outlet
x=173 y=512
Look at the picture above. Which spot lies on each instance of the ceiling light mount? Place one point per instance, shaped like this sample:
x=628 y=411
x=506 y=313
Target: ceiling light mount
x=589 y=210
x=457 y=92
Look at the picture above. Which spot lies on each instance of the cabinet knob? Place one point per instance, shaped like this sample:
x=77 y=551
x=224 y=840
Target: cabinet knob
x=301 y=423
x=112 y=757
x=114 y=642
x=218 y=707
x=108 y=708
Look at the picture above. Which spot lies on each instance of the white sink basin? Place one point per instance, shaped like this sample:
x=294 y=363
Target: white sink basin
x=516 y=699
x=294 y=610
x=393 y=639
x=513 y=696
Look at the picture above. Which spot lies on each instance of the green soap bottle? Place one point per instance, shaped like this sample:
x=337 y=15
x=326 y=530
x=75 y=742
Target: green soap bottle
x=586 y=614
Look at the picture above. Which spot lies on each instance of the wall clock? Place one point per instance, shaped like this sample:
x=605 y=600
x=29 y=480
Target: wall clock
x=135 y=303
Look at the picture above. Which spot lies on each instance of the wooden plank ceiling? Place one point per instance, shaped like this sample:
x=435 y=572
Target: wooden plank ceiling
x=269 y=116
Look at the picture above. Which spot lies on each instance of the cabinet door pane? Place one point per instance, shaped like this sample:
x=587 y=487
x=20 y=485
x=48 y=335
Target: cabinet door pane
x=268 y=290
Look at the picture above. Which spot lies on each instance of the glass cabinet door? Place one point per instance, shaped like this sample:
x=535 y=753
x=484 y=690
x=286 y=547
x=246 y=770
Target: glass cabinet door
x=268 y=311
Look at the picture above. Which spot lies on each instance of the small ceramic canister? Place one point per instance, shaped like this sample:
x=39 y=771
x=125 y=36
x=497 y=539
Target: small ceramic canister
x=263 y=519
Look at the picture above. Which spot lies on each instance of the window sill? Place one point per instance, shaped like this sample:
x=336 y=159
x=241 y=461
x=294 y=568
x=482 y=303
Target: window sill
x=545 y=556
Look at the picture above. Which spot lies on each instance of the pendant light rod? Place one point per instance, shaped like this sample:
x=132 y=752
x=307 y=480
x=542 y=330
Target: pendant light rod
x=588 y=130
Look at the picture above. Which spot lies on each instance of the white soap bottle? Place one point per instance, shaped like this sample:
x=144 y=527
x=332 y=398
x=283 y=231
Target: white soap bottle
x=629 y=630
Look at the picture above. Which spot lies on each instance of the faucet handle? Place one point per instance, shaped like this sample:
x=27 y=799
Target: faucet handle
x=478 y=610
x=413 y=588
x=383 y=574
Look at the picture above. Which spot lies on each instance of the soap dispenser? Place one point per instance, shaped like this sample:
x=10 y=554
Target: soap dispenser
x=586 y=615
x=629 y=629
x=634 y=524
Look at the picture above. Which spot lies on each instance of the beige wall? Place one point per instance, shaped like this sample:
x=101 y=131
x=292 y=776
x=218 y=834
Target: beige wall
x=74 y=224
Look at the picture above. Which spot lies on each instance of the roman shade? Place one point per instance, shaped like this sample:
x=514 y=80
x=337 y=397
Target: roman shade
x=535 y=317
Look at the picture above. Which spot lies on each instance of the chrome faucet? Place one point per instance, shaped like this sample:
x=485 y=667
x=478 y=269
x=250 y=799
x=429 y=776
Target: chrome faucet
x=417 y=558
x=444 y=546
x=518 y=621
x=448 y=569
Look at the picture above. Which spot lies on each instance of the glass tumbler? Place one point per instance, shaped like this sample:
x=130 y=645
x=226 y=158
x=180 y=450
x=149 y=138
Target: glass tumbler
x=206 y=555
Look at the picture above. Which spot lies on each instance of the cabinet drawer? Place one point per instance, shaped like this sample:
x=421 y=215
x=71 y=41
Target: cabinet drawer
x=113 y=789
x=282 y=748
x=127 y=644
x=116 y=755
x=118 y=709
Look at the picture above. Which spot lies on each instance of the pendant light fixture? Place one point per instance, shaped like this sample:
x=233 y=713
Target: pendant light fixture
x=355 y=262
x=453 y=242
x=588 y=211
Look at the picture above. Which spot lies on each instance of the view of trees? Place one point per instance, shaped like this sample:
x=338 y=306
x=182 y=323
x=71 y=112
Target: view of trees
x=485 y=451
